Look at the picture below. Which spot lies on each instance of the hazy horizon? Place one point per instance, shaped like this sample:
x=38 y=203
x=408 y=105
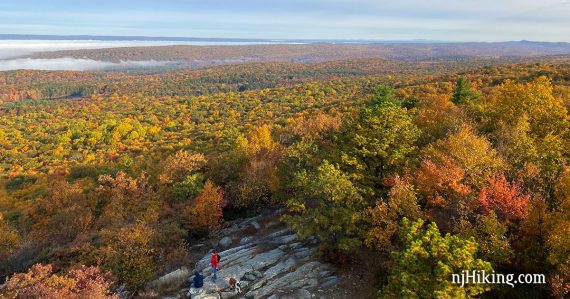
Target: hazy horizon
x=232 y=40
x=20 y=47
x=33 y=54
x=13 y=52
x=470 y=20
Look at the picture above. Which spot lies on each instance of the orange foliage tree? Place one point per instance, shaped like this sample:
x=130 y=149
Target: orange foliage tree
x=60 y=217
x=454 y=166
x=206 y=210
x=178 y=166
x=386 y=216
x=128 y=252
x=441 y=179
x=41 y=282
x=505 y=198
x=124 y=200
x=258 y=178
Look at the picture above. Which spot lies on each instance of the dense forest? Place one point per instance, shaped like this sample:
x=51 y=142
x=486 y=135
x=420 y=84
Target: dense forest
x=34 y=85
x=431 y=167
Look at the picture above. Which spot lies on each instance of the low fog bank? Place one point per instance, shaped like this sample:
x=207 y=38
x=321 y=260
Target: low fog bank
x=73 y=64
x=15 y=48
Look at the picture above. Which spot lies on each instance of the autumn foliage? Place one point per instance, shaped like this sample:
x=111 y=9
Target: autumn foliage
x=41 y=282
x=505 y=198
x=133 y=169
x=206 y=209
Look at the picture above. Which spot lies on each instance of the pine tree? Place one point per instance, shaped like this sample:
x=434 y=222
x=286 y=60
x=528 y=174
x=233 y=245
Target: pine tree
x=424 y=266
x=463 y=93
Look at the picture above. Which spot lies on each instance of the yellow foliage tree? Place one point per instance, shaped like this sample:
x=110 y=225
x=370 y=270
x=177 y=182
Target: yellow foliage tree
x=206 y=210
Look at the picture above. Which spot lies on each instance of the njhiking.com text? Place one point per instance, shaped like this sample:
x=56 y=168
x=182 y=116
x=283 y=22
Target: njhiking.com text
x=484 y=277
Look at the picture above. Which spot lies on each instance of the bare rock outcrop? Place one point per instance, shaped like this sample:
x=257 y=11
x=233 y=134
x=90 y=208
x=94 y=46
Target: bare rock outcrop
x=269 y=260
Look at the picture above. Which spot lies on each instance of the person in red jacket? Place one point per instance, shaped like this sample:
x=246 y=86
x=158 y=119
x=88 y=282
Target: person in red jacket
x=215 y=263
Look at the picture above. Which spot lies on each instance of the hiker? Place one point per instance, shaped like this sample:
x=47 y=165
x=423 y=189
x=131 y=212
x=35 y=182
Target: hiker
x=198 y=280
x=214 y=262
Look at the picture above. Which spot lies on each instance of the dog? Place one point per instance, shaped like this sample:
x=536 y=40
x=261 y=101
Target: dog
x=235 y=285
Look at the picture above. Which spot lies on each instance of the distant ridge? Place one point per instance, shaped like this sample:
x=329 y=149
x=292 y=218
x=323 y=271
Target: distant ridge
x=253 y=40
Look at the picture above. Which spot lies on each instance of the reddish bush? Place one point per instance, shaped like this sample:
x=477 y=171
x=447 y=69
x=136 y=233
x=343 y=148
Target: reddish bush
x=41 y=282
x=505 y=198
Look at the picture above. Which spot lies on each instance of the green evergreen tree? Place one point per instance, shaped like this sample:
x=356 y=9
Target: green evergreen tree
x=327 y=205
x=377 y=142
x=424 y=266
x=463 y=93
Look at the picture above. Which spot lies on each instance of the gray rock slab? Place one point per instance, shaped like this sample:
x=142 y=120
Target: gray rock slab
x=226 y=241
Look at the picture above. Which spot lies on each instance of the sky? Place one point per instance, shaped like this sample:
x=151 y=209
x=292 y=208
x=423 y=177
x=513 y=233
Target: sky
x=441 y=20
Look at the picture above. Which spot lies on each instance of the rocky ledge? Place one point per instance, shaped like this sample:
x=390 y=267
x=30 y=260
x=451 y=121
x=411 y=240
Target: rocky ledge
x=268 y=259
